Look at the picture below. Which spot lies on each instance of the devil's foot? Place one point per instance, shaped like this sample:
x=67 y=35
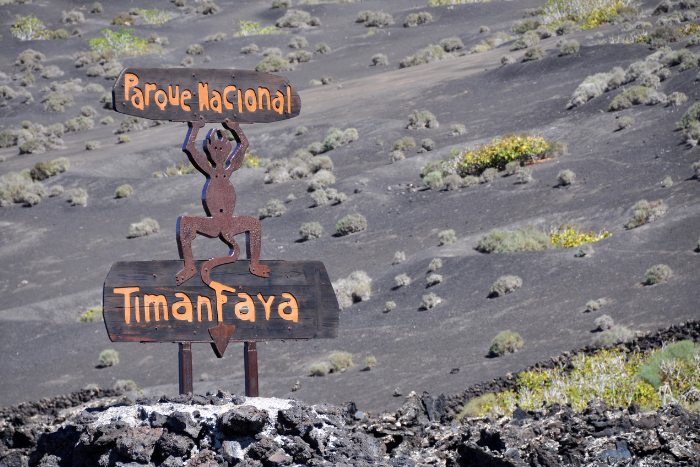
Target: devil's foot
x=259 y=269
x=185 y=275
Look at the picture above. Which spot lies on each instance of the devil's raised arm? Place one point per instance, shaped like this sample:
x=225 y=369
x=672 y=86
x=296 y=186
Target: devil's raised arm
x=198 y=159
x=241 y=146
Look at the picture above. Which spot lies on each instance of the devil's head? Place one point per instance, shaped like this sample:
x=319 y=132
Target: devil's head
x=217 y=147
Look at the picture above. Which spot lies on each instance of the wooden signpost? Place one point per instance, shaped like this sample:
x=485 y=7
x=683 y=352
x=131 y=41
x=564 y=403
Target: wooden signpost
x=222 y=299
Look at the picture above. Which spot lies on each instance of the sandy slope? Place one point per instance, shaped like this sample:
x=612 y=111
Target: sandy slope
x=65 y=252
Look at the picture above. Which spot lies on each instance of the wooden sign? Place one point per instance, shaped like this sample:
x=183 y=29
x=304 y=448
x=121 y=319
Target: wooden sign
x=143 y=303
x=185 y=94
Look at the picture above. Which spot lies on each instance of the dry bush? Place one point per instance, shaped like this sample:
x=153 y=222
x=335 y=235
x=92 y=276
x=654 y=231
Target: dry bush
x=274 y=208
x=109 y=357
x=93 y=145
x=380 y=60
x=77 y=197
x=566 y=177
x=506 y=342
x=422 y=119
x=297 y=19
x=505 y=285
x=123 y=191
x=310 y=230
x=657 y=274
x=644 y=212
x=374 y=18
x=298 y=42
x=355 y=288
x=402 y=280
x=416 y=19
x=432 y=53
x=351 y=223
x=447 y=237
x=430 y=301
x=147 y=226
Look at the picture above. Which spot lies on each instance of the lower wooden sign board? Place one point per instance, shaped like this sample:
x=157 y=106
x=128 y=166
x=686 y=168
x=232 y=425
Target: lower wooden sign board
x=143 y=303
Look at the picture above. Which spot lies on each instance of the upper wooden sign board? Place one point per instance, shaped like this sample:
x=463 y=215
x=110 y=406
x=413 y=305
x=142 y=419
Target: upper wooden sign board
x=185 y=94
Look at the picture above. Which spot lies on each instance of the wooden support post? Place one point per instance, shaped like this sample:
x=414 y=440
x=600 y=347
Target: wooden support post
x=250 y=361
x=185 y=366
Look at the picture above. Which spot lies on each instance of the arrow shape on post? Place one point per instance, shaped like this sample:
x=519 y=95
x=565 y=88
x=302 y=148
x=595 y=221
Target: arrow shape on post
x=220 y=334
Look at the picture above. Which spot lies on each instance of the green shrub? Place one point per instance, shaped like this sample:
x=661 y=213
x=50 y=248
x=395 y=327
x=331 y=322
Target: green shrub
x=397 y=156
x=434 y=180
x=505 y=285
x=644 y=212
x=657 y=274
x=447 y=237
x=534 y=53
x=297 y=19
x=636 y=95
x=432 y=53
x=404 y=144
x=273 y=63
x=452 y=182
x=56 y=101
x=131 y=123
x=478 y=406
x=340 y=361
x=380 y=60
x=77 y=197
x=433 y=279
x=322 y=48
x=370 y=362
x=677 y=98
x=109 y=357
x=147 y=226
x=208 y=8
x=524 y=175
x=415 y=19
x=618 y=334
x=298 y=42
x=389 y=306
x=374 y=18
x=521 y=27
x=250 y=49
x=488 y=175
x=351 y=223
x=603 y=323
x=300 y=56
x=123 y=191
x=625 y=122
x=319 y=369
x=473 y=161
x=194 y=49
x=506 y=342
x=281 y=3
x=321 y=179
x=402 y=280
x=274 y=208
x=310 y=230
x=29 y=28
x=654 y=370
x=569 y=47
x=125 y=385
x=529 y=39
x=593 y=305
x=43 y=170
x=79 y=123
x=430 y=301
x=119 y=44
x=92 y=315
x=566 y=177
x=422 y=119
x=451 y=44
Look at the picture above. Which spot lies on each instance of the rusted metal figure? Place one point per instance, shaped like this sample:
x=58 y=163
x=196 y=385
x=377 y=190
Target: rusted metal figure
x=219 y=201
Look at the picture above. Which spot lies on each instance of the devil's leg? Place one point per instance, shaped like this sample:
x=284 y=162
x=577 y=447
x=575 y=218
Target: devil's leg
x=251 y=226
x=187 y=229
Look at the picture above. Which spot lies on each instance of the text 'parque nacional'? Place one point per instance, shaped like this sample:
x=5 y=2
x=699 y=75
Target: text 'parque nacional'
x=186 y=94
